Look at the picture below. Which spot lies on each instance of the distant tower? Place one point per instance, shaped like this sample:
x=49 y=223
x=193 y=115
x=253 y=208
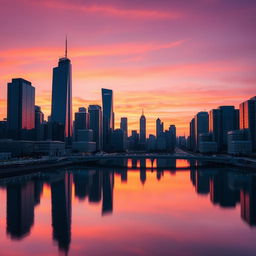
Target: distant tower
x=201 y=126
x=108 y=117
x=96 y=124
x=81 y=121
x=61 y=112
x=21 y=109
x=247 y=116
x=124 y=125
x=143 y=130
x=159 y=127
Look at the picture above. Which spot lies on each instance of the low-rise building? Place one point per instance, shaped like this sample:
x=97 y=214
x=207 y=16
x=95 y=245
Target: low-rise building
x=84 y=141
x=239 y=142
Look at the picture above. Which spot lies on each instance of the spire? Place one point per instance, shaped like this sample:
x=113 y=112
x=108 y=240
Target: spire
x=66 y=47
x=142 y=112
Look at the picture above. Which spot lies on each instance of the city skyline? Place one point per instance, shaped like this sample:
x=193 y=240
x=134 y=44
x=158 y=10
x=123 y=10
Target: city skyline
x=174 y=59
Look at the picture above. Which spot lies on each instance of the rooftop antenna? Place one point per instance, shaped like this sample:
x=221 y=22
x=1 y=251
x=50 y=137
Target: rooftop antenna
x=142 y=111
x=66 y=47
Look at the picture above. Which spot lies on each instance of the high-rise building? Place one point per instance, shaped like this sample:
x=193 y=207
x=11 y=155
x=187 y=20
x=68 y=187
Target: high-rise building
x=247 y=116
x=118 y=139
x=124 y=125
x=133 y=140
x=39 y=119
x=81 y=121
x=171 y=138
x=201 y=126
x=159 y=127
x=21 y=109
x=96 y=125
x=192 y=134
x=221 y=121
x=108 y=117
x=61 y=111
x=143 y=131
x=3 y=129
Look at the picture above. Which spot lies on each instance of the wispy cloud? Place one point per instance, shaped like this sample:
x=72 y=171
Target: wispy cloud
x=109 y=10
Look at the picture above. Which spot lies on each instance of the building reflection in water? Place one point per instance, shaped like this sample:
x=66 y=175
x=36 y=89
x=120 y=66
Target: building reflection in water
x=143 y=172
x=20 y=209
x=220 y=191
x=61 y=195
x=226 y=189
x=108 y=187
x=248 y=202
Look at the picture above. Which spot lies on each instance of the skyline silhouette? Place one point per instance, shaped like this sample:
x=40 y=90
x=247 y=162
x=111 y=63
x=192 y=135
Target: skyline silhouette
x=173 y=59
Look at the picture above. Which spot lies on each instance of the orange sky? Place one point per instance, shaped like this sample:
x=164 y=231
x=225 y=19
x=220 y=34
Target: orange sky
x=171 y=59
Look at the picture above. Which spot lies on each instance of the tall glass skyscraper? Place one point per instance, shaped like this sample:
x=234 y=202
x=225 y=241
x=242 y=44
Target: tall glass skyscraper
x=61 y=112
x=96 y=124
x=21 y=109
x=108 y=117
x=248 y=118
x=142 y=131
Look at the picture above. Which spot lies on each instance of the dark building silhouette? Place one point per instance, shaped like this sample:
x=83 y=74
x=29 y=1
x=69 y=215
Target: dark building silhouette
x=124 y=177
x=118 y=140
x=61 y=194
x=221 y=121
x=133 y=140
x=221 y=193
x=159 y=128
x=142 y=131
x=81 y=121
x=107 y=189
x=143 y=175
x=124 y=125
x=38 y=190
x=96 y=125
x=95 y=188
x=20 y=209
x=247 y=116
x=192 y=134
x=201 y=126
x=82 y=185
x=21 y=109
x=61 y=111
x=202 y=182
x=39 y=119
x=248 y=202
x=171 y=138
x=108 y=117
x=3 y=129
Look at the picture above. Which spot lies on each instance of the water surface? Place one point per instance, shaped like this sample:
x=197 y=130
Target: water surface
x=135 y=211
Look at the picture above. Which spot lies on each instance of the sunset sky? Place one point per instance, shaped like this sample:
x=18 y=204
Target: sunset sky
x=171 y=58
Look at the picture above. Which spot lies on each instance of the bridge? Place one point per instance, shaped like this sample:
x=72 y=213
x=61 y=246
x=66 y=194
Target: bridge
x=221 y=159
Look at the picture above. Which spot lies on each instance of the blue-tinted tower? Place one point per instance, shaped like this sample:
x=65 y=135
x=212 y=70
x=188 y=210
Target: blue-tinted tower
x=61 y=112
x=108 y=117
x=21 y=109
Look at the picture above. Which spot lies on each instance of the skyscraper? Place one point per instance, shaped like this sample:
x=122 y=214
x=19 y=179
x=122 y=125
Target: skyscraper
x=21 y=109
x=61 y=112
x=108 y=117
x=81 y=121
x=159 y=127
x=124 y=125
x=201 y=126
x=192 y=134
x=247 y=116
x=39 y=119
x=221 y=121
x=96 y=125
x=143 y=131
